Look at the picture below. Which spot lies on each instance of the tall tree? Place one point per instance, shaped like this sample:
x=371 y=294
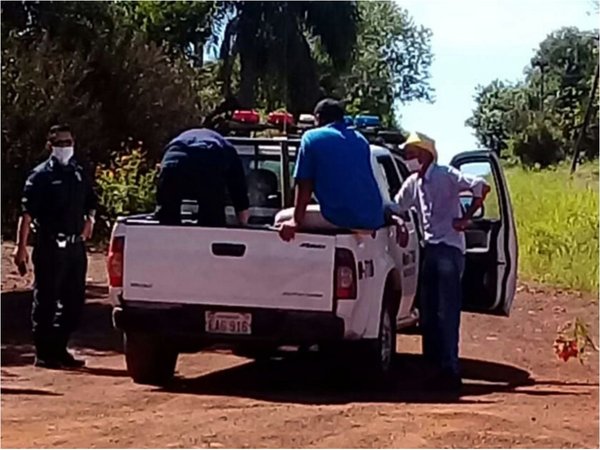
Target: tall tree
x=72 y=24
x=502 y=109
x=393 y=58
x=271 y=40
x=562 y=69
x=547 y=106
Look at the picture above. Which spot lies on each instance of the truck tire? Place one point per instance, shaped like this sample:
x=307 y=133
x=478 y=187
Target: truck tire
x=379 y=353
x=149 y=359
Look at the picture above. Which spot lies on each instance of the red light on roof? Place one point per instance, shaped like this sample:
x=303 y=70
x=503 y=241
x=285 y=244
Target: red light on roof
x=246 y=116
x=280 y=117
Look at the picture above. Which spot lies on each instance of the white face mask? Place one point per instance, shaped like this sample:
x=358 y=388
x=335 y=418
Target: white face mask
x=413 y=165
x=62 y=154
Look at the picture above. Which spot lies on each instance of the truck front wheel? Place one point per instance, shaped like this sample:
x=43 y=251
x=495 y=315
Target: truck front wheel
x=149 y=359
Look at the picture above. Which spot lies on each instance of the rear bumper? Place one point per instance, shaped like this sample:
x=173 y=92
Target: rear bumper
x=187 y=323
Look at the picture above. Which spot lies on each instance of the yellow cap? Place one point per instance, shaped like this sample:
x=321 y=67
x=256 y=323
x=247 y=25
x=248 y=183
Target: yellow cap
x=423 y=142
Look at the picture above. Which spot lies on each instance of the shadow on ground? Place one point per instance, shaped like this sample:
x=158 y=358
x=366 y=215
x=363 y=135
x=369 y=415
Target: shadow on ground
x=96 y=334
x=309 y=380
x=301 y=378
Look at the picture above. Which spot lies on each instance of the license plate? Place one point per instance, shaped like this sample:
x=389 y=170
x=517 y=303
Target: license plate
x=228 y=323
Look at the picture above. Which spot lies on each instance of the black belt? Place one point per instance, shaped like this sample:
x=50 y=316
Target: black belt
x=61 y=239
x=69 y=238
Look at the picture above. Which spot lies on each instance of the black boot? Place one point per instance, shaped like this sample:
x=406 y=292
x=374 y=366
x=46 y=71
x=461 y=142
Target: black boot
x=66 y=359
x=44 y=355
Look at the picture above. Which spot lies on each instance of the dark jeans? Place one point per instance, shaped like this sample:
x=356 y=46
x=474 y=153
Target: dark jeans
x=58 y=295
x=441 y=299
x=174 y=185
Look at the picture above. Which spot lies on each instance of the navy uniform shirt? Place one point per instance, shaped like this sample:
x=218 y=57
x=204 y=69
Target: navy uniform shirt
x=58 y=197
x=201 y=165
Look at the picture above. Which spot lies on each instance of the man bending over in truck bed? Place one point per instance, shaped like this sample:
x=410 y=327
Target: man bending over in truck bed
x=200 y=165
x=335 y=162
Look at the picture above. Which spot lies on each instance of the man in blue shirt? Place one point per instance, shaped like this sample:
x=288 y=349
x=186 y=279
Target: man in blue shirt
x=334 y=162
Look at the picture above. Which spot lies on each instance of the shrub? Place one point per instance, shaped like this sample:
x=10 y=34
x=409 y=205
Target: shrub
x=125 y=186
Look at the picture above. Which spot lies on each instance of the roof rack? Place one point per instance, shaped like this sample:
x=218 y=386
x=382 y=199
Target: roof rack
x=375 y=135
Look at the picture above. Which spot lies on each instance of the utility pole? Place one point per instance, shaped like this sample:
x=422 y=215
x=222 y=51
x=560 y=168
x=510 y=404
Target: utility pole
x=586 y=121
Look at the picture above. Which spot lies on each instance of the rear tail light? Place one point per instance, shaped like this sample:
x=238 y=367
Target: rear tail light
x=115 y=261
x=345 y=274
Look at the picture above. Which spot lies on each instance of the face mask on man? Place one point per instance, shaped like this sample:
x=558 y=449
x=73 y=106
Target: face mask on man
x=62 y=154
x=413 y=165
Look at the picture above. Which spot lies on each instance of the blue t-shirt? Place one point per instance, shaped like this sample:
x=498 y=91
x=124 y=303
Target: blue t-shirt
x=338 y=161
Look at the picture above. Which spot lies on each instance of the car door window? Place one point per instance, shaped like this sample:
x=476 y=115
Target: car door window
x=391 y=175
x=491 y=209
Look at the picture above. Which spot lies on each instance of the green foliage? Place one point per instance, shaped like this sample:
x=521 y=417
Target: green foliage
x=393 y=57
x=182 y=26
x=74 y=25
x=127 y=185
x=557 y=222
x=121 y=87
x=547 y=107
x=502 y=109
x=538 y=143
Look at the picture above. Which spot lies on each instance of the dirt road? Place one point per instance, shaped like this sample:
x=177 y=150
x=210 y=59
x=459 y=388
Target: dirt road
x=516 y=395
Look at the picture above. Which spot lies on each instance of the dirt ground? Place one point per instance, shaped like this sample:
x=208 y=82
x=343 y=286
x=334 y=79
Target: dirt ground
x=517 y=394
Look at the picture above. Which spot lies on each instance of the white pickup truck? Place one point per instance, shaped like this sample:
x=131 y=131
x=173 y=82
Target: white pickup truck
x=187 y=288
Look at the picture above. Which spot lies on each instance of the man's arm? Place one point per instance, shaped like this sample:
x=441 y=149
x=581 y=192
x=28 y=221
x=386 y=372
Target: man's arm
x=30 y=205
x=236 y=184
x=480 y=189
x=304 y=173
x=406 y=196
x=90 y=206
x=304 y=190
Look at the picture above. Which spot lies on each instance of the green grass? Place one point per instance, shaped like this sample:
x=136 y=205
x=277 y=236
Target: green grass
x=557 y=223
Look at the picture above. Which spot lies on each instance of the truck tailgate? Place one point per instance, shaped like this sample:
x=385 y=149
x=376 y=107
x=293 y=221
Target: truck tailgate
x=229 y=267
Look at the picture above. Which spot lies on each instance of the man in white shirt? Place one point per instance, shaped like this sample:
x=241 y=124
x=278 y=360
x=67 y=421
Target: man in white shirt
x=434 y=190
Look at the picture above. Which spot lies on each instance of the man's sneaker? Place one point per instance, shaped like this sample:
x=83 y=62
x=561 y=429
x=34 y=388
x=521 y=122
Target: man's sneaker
x=47 y=363
x=70 y=362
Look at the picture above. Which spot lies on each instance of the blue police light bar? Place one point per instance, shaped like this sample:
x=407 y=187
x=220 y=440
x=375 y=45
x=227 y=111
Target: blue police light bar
x=367 y=121
x=349 y=121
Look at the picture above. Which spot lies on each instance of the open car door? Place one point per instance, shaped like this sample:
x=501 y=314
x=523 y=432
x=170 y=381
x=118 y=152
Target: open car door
x=489 y=281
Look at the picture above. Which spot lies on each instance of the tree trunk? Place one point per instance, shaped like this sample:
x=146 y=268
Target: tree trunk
x=248 y=79
x=303 y=88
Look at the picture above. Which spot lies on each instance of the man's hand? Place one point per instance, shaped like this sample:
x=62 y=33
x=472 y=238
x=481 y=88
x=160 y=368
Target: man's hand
x=461 y=224
x=88 y=229
x=21 y=258
x=287 y=230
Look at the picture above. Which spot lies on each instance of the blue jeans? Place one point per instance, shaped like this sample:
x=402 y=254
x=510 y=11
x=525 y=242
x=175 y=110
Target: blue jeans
x=441 y=299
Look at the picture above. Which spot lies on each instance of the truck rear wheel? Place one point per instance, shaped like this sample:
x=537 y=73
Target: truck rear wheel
x=149 y=359
x=380 y=352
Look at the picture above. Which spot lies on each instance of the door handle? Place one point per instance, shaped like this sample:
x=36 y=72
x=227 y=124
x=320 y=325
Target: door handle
x=228 y=249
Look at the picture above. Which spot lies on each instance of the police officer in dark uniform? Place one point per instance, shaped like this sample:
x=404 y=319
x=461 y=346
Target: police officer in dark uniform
x=59 y=201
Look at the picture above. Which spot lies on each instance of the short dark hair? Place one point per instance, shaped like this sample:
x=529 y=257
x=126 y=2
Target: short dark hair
x=329 y=110
x=60 y=128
